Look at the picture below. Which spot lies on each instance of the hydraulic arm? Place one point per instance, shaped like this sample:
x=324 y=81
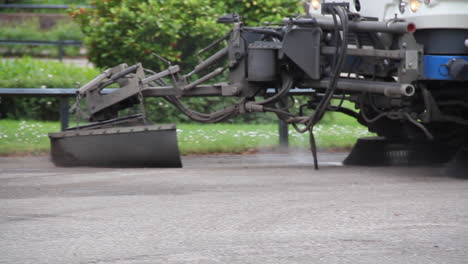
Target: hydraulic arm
x=339 y=56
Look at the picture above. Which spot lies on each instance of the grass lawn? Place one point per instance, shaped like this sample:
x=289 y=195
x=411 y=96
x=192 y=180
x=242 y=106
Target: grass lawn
x=21 y=137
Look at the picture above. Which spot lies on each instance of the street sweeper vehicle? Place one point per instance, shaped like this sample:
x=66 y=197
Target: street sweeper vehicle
x=403 y=64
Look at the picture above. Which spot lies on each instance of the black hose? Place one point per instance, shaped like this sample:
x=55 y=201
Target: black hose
x=338 y=64
x=265 y=31
x=234 y=110
x=288 y=82
x=313 y=149
x=421 y=126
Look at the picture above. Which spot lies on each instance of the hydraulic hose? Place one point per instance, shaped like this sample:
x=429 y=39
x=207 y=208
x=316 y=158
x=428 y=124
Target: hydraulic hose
x=338 y=63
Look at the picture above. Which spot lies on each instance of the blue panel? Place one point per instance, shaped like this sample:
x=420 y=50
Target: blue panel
x=435 y=66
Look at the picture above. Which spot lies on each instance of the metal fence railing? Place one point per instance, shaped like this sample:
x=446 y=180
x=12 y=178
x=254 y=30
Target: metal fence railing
x=61 y=44
x=62 y=93
x=25 y=6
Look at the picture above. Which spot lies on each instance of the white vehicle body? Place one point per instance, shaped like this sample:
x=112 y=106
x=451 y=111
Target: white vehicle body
x=430 y=14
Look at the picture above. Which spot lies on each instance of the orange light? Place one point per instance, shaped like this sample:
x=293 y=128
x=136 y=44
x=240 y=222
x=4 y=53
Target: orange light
x=315 y=4
x=414 y=5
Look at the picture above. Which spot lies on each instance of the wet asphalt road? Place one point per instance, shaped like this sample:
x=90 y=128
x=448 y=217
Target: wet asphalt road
x=265 y=208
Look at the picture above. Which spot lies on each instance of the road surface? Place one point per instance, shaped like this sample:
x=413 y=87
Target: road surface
x=264 y=208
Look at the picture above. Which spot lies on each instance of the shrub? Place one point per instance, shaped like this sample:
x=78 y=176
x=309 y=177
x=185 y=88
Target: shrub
x=130 y=30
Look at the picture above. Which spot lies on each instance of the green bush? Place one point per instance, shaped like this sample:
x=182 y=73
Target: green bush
x=130 y=30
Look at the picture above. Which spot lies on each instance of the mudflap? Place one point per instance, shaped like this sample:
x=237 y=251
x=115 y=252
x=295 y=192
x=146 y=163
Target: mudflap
x=458 y=167
x=378 y=151
x=134 y=146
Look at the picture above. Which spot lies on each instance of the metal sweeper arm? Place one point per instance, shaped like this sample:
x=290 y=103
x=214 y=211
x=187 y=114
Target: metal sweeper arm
x=302 y=53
